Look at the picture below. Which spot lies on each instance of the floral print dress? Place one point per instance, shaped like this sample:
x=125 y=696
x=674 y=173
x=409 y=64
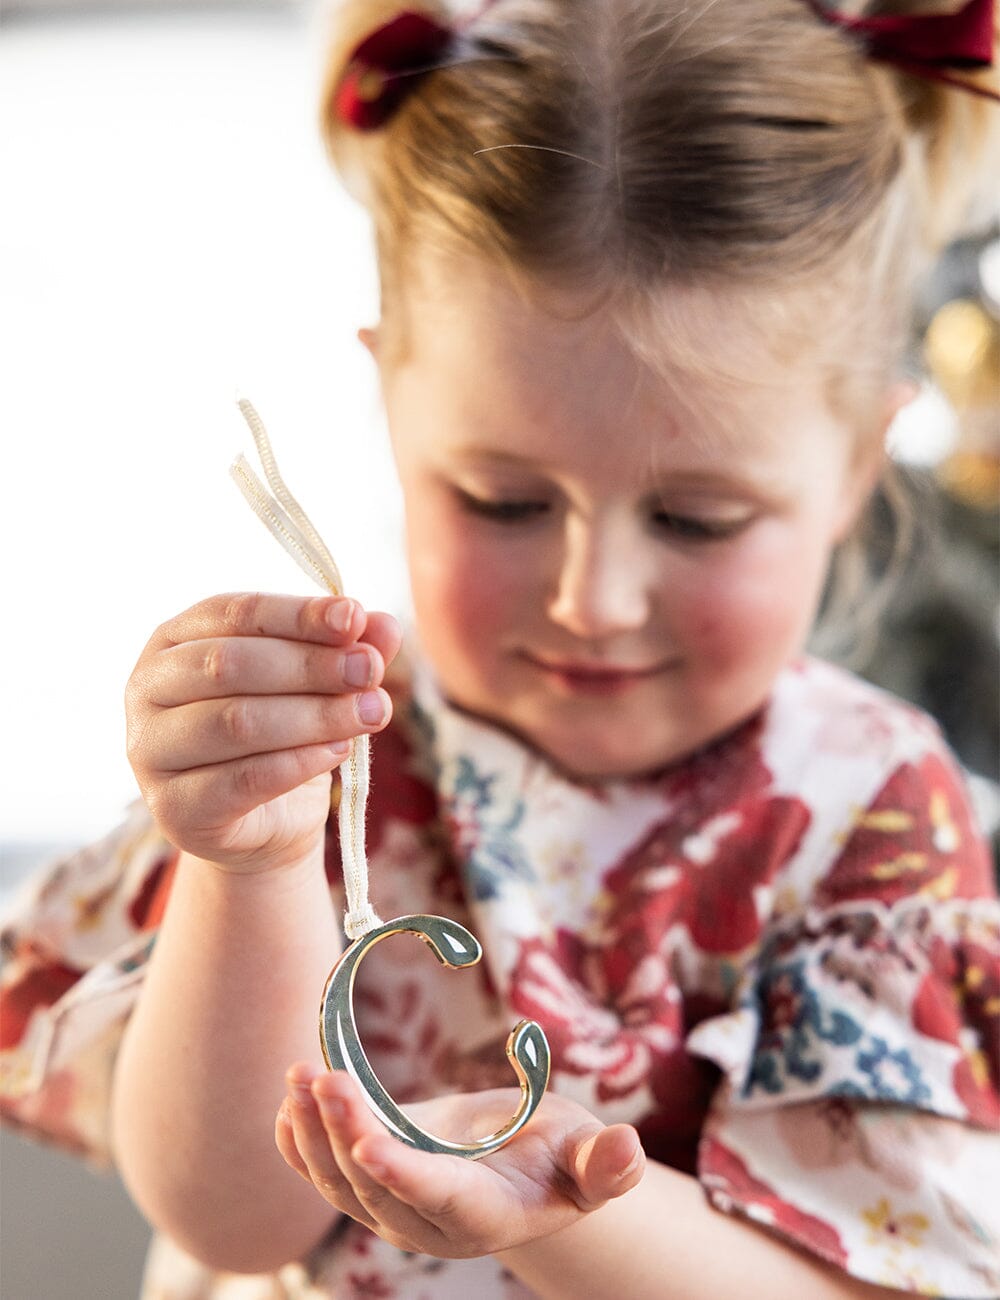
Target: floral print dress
x=778 y=959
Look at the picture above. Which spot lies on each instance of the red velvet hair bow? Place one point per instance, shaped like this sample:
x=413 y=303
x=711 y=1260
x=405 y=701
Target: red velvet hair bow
x=386 y=66
x=928 y=45
x=390 y=62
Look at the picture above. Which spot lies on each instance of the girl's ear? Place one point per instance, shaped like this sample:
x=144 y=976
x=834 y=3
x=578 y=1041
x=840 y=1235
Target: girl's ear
x=870 y=462
x=901 y=393
x=369 y=337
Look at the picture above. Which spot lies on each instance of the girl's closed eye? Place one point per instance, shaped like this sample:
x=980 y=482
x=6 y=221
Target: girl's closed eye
x=501 y=509
x=686 y=526
x=701 y=528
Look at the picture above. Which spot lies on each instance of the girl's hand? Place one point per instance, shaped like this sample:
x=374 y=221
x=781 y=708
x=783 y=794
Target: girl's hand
x=562 y=1165
x=237 y=711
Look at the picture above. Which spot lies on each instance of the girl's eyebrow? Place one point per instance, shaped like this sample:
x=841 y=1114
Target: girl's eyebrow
x=472 y=452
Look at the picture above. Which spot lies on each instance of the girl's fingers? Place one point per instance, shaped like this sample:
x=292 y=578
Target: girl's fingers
x=284 y=1140
x=312 y=1155
x=345 y=1118
x=232 y=790
x=347 y=1121
x=384 y=633
x=326 y=620
x=219 y=667
x=439 y=1191
x=239 y=708
x=218 y=731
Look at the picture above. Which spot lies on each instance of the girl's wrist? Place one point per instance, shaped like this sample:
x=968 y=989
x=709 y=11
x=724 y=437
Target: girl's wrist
x=286 y=869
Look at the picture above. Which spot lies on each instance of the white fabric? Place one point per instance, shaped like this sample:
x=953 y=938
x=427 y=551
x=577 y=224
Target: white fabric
x=285 y=519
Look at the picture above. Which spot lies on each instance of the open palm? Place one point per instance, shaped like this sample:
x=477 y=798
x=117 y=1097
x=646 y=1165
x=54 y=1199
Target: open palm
x=562 y=1165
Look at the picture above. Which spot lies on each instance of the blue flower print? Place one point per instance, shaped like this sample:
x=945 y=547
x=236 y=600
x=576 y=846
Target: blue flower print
x=793 y=1024
x=482 y=831
x=470 y=784
x=895 y=1076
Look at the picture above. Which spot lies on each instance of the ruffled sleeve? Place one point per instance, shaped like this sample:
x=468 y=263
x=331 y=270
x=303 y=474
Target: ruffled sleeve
x=75 y=944
x=858 y=1114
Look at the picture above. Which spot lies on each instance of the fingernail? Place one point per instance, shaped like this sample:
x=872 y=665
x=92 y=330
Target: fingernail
x=632 y=1165
x=301 y=1093
x=371 y=708
x=340 y=614
x=358 y=668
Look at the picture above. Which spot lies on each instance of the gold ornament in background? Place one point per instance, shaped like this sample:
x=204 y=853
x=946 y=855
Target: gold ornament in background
x=962 y=352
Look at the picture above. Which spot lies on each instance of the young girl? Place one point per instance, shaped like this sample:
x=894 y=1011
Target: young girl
x=645 y=275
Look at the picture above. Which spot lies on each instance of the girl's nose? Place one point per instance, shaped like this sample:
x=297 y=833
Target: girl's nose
x=602 y=587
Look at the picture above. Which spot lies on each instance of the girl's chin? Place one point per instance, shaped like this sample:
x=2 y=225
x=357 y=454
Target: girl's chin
x=580 y=752
x=586 y=755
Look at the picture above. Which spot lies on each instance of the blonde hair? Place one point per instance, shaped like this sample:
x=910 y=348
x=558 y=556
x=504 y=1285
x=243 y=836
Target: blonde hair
x=622 y=145
x=625 y=147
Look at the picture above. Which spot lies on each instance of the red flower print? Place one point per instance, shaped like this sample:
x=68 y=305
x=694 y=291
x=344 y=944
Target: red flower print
x=705 y=876
x=612 y=1003
x=626 y=1027
x=916 y=837
x=958 y=1002
x=147 y=908
x=41 y=985
x=594 y=1025
x=732 y=1187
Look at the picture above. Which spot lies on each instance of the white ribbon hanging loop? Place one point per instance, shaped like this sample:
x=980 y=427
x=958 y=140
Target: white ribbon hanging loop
x=288 y=522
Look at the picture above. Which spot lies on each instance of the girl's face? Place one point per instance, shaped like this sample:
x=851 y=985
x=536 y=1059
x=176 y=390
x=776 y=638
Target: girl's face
x=610 y=565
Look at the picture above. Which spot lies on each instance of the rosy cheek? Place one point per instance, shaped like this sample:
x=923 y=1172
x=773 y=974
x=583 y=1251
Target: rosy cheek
x=754 y=600
x=465 y=585
x=480 y=578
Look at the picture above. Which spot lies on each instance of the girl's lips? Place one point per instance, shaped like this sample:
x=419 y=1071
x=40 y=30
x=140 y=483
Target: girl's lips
x=593 y=679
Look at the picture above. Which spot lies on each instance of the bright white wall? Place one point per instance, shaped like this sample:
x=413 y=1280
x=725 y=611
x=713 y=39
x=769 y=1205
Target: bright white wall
x=170 y=234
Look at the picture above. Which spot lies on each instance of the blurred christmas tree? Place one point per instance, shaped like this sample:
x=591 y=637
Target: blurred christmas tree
x=937 y=641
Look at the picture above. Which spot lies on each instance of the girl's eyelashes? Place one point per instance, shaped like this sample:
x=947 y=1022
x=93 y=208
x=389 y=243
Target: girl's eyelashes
x=691 y=528
x=503 y=510
x=512 y=510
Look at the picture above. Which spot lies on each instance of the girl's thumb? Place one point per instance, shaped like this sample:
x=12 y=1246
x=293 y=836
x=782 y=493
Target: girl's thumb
x=608 y=1164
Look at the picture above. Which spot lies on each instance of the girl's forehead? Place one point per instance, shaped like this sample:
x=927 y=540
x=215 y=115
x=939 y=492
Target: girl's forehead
x=686 y=364
x=469 y=314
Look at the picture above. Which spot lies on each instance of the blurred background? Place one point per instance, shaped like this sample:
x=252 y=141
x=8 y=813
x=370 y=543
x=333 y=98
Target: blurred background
x=171 y=236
